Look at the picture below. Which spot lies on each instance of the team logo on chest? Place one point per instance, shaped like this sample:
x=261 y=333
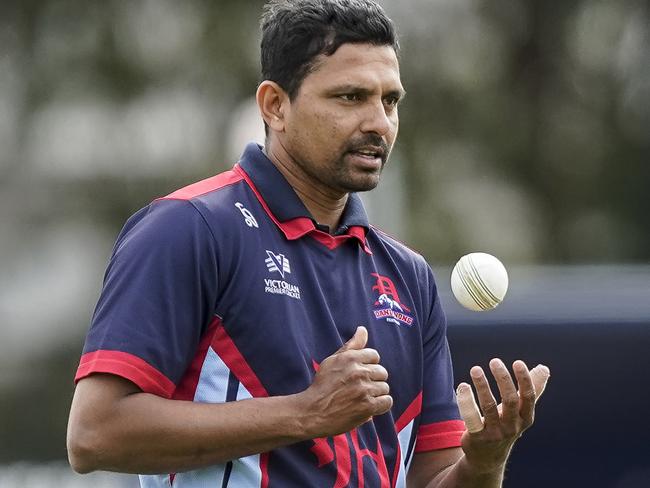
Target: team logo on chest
x=279 y=263
x=389 y=306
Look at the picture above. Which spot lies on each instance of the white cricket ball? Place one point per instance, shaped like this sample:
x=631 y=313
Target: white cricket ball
x=479 y=281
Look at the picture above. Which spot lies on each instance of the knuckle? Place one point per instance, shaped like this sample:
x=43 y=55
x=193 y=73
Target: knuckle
x=380 y=373
x=383 y=404
x=337 y=361
x=528 y=421
x=503 y=376
x=346 y=356
x=373 y=355
x=489 y=406
x=511 y=400
x=356 y=374
x=528 y=396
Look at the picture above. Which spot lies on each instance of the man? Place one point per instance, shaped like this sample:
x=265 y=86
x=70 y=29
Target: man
x=254 y=330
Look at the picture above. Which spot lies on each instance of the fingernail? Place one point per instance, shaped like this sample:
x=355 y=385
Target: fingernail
x=463 y=387
x=544 y=369
x=519 y=363
x=476 y=372
x=496 y=363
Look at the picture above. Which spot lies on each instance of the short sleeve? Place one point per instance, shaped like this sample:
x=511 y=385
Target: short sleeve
x=157 y=299
x=440 y=424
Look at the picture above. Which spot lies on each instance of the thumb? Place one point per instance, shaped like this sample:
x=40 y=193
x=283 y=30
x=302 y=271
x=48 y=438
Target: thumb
x=358 y=340
x=540 y=375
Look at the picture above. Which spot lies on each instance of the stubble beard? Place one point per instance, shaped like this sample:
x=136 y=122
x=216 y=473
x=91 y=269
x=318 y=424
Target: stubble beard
x=339 y=175
x=343 y=176
x=353 y=183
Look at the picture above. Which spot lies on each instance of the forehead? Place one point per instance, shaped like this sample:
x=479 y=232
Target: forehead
x=366 y=65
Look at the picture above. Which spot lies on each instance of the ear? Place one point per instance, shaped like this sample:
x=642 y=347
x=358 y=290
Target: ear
x=272 y=101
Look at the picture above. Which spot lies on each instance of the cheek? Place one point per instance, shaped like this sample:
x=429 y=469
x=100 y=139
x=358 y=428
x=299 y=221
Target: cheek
x=327 y=130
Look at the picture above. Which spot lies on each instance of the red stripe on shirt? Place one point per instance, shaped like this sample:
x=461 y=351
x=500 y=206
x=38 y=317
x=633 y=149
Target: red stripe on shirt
x=233 y=358
x=128 y=366
x=398 y=465
x=204 y=186
x=264 y=468
x=412 y=411
x=439 y=435
x=187 y=386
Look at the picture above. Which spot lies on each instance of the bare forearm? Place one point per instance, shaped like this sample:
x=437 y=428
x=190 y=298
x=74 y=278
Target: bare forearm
x=461 y=474
x=164 y=434
x=148 y=434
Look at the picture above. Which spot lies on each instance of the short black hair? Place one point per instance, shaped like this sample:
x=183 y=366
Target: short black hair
x=296 y=32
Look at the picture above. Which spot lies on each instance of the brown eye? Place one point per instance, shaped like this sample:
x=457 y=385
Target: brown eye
x=391 y=101
x=350 y=97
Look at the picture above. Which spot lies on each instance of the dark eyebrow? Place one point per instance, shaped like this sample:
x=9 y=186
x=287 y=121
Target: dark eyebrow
x=350 y=89
x=399 y=94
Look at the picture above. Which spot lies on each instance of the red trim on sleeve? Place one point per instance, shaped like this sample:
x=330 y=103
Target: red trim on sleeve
x=204 y=186
x=128 y=366
x=439 y=435
x=233 y=358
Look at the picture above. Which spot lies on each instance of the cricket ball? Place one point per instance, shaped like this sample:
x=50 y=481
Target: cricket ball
x=479 y=281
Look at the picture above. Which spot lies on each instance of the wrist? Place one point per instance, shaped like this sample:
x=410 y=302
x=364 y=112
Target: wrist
x=487 y=470
x=301 y=417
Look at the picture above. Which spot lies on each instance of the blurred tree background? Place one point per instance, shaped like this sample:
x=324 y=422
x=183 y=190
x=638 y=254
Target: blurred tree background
x=525 y=133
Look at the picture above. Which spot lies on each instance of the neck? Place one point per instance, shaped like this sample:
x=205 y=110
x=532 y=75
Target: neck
x=324 y=204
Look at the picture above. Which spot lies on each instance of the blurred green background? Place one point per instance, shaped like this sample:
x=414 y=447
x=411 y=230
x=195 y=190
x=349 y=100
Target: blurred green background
x=525 y=133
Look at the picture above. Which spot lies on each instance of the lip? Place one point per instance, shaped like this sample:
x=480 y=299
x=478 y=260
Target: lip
x=365 y=162
x=377 y=150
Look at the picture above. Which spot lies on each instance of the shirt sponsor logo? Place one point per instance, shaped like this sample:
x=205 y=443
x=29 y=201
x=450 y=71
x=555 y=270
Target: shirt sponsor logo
x=281 y=287
x=389 y=306
x=279 y=263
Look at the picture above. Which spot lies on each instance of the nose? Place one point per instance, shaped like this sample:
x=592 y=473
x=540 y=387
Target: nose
x=376 y=119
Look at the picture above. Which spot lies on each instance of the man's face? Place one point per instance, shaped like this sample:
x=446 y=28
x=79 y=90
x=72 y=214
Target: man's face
x=342 y=124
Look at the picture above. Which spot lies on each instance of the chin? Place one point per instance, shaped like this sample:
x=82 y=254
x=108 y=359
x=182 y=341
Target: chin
x=361 y=184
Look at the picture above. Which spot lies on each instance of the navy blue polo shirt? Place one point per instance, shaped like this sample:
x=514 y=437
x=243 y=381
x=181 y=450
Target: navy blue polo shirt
x=227 y=290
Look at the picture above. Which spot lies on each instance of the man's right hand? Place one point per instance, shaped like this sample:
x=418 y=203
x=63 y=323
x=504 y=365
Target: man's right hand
x=349 y=389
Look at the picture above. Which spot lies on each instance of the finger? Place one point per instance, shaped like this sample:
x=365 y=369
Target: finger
x=485 y=397
x=379 y=388
x=526 y=391
x=540 y=375
x=382 y=404
x=357 y=341
x=362 y=356
x=377 y=372
x=469 y=409
x=507 y=390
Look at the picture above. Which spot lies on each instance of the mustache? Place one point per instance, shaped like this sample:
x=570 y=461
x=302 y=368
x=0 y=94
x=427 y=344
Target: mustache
x=369 y=140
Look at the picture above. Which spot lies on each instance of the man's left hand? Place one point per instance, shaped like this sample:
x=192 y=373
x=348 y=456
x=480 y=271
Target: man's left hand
x=490 y=437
